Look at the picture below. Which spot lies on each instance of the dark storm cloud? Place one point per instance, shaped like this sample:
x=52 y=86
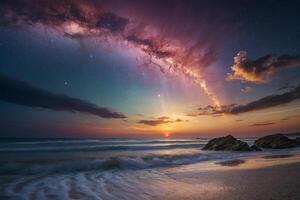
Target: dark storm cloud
x=260 y=70
x=263 y=103
x=159 y=121
x=22 y=93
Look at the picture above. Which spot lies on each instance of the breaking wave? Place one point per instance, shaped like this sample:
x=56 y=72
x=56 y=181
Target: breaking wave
x=111 y=163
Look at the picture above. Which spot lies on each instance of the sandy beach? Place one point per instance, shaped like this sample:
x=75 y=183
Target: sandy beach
x=265 y=178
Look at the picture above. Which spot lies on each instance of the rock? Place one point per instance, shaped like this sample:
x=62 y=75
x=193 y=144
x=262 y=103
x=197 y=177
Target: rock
x=255 y=148
x=297 y=140
x=276 y=141
x=228 y=143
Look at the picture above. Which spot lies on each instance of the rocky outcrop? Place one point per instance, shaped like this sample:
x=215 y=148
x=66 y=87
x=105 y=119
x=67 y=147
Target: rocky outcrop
x=228 y=143
x=276 y=141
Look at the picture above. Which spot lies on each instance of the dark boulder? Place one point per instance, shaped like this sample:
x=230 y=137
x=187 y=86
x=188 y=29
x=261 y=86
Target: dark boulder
x=297 y=140
x=255 y=148
x=276 y=141
x=228 y=143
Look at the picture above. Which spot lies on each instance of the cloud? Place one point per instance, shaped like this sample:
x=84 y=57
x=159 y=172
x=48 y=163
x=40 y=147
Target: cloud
x=154 y=122
x=178 y=120
x=163 y=118
x=246 y=89
x=290 y=117
x=263 y=124
x=214 y=111
x=263 y=103
x=261 y=69
x=159 y=121
x=22 y=93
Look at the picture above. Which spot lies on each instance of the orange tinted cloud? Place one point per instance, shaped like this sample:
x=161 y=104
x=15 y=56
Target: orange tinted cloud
x=261 y=69
x=159 y=121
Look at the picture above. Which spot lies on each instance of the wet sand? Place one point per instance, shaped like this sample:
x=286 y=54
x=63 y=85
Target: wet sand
x=231 y=163
x=262 y=178
x=259 y=177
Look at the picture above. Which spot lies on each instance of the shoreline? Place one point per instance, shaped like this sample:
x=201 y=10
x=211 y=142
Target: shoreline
x=258 y=178
x=174 y=174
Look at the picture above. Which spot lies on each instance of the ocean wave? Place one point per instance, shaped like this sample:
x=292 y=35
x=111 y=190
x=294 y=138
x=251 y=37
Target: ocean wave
x=86 y=147
x=111 y=163
x=131 y=185
x=57 y=142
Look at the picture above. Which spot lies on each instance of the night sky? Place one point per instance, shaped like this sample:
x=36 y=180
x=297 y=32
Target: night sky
x=72 y=68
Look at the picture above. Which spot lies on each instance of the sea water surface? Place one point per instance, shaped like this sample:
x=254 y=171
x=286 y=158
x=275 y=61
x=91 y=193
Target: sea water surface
x=101 y=168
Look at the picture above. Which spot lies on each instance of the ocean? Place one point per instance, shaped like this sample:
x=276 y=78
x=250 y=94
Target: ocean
x=103 y=168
